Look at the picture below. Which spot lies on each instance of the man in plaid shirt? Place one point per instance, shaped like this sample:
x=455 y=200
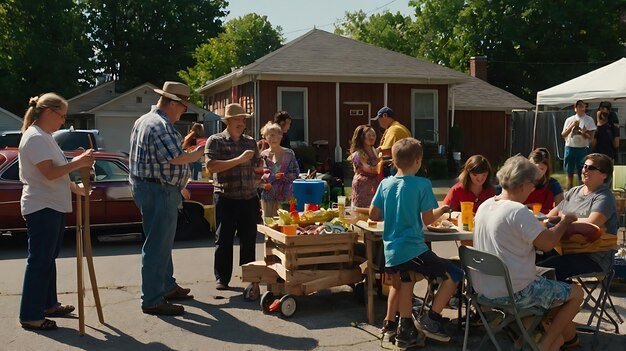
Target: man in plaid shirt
x=158 y=174
x=232 y=157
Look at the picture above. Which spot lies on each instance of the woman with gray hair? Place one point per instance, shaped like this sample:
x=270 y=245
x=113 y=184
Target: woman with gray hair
x=505 y=227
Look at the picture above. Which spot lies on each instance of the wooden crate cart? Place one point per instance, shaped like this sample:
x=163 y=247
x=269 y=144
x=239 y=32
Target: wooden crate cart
x=298 y=265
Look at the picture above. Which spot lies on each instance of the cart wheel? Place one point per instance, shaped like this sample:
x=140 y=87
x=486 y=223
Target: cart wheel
x=252 y=292
x=360 y=293
x=266 y=301
x=287 y=306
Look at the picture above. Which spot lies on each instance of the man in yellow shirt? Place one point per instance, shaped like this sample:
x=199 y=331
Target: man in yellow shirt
x=394 y=131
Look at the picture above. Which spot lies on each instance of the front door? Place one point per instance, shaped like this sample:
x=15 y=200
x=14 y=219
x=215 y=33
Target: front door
x=352 y=115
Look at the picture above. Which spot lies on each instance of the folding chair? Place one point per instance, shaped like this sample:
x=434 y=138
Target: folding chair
x=473 y=260
x=598 y=305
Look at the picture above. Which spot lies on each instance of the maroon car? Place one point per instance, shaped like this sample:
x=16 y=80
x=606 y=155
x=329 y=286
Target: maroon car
x=112 y=209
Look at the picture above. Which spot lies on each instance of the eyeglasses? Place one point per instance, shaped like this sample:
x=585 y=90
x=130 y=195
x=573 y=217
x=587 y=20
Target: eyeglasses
x=58 y=113
x=591 y=168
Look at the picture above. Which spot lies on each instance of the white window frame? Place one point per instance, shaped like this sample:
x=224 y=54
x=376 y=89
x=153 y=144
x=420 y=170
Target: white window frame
x=279 y=95
x=435 y=95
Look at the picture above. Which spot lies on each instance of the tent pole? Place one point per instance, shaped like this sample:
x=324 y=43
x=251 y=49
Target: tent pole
x=535 y=127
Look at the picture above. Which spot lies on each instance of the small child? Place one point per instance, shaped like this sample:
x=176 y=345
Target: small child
x=400 y=200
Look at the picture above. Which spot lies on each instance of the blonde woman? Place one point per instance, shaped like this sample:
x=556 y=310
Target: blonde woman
x=281 y=170
x=46 y=198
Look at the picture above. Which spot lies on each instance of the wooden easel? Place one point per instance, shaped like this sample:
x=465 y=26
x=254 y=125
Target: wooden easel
x=83 y=232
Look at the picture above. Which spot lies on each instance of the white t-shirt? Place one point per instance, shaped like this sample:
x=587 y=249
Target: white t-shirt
x=506 y=229
x=575 y=138
x=39 y=192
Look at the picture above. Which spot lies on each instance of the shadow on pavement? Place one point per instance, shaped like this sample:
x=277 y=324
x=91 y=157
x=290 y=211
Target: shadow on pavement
x=114 y=339
x=227 y=328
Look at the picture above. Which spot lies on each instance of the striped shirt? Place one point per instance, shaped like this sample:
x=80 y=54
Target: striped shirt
x=153 y=143
x=240 y=181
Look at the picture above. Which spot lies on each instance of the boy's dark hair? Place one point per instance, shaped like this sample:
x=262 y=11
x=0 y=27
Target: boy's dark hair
x=579 y=103
x=405 y=151
x=281 y=116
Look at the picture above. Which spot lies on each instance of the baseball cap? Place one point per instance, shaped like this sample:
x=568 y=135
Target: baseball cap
x=382 y=111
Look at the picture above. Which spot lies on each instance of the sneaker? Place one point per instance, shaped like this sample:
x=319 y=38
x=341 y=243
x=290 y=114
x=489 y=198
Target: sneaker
x=407 y=336
x=433 y=327
x=389 y=332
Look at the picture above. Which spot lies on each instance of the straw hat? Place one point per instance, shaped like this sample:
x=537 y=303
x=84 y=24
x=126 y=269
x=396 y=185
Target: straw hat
x=175 y=91
x=235 y=110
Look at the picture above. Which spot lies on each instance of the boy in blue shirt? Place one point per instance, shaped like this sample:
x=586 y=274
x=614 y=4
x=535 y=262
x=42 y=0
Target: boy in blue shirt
x=400 y=200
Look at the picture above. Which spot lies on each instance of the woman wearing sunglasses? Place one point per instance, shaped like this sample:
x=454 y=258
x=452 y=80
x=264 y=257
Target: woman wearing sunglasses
x=592 y=202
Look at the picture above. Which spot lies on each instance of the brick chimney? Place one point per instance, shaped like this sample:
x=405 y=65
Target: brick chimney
x=478 y=67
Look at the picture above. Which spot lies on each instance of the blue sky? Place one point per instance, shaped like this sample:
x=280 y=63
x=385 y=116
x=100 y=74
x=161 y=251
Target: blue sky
x=297 y=17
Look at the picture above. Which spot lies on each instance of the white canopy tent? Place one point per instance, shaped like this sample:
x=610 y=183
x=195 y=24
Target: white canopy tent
x=605 y=83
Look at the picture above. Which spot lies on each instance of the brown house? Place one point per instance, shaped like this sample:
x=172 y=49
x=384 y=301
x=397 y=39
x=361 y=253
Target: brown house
x=331 y=84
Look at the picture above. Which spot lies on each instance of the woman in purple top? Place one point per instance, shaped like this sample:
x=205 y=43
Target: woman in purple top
x=281 y=169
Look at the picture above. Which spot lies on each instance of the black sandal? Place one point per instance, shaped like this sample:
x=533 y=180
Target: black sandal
x=60 y=310
x=47 y=324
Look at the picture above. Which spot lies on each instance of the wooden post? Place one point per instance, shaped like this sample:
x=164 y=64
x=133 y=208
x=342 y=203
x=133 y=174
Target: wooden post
x=79 y=266
x=87 y=232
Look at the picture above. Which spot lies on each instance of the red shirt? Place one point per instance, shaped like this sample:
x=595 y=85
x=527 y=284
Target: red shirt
x=458 y=194
x=543 y=196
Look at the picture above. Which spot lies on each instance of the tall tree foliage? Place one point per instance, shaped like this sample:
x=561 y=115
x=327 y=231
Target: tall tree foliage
x=244 y=40
x=530 y=44
x=391 y=31
x=42 y=48
x=150 y=40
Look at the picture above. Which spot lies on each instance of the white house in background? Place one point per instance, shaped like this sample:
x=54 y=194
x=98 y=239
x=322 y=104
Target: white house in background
x=9 y=121
x=114 y=113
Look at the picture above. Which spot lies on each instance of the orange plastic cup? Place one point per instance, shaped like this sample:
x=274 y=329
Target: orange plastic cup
x=289 y=229
x=536 y=208
x=467 y=215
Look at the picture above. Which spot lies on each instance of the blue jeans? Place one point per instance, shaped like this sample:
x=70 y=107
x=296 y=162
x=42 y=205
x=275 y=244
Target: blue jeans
x=45 y=230
x=159 y=210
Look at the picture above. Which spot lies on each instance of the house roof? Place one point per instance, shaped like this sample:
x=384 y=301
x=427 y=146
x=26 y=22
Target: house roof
x=324 y=56
x=92 y=98
x=9 y=121
x=150 y=87
x=320 y=56
x=478 y=95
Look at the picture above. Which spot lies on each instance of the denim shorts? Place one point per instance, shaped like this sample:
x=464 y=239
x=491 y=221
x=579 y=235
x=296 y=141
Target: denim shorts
x=543 y=293
x=573 y=158
x=429 y=265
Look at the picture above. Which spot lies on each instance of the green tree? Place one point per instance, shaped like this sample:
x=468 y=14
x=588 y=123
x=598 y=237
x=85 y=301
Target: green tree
x=150 y=40
x=42 y=48
x=530 y=44
x=244 y=40
x=391 y=31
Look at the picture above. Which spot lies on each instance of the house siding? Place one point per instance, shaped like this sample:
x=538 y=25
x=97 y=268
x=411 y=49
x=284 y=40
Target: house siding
x=485 y=133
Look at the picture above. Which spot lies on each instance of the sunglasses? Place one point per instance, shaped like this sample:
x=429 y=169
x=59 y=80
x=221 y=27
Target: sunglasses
x=591 y=168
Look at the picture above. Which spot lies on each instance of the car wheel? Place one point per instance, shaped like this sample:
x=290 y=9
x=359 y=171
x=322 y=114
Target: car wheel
x=191 y=222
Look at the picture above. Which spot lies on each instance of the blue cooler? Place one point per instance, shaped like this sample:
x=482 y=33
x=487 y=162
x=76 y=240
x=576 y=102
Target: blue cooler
x=308 y=191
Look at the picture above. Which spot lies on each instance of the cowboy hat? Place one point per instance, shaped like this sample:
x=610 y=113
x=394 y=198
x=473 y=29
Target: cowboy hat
x=235 y=110
x=175 y=91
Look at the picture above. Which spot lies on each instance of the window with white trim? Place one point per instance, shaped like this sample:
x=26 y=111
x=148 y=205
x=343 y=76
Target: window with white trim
x=424 y=116
x=294 y=101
